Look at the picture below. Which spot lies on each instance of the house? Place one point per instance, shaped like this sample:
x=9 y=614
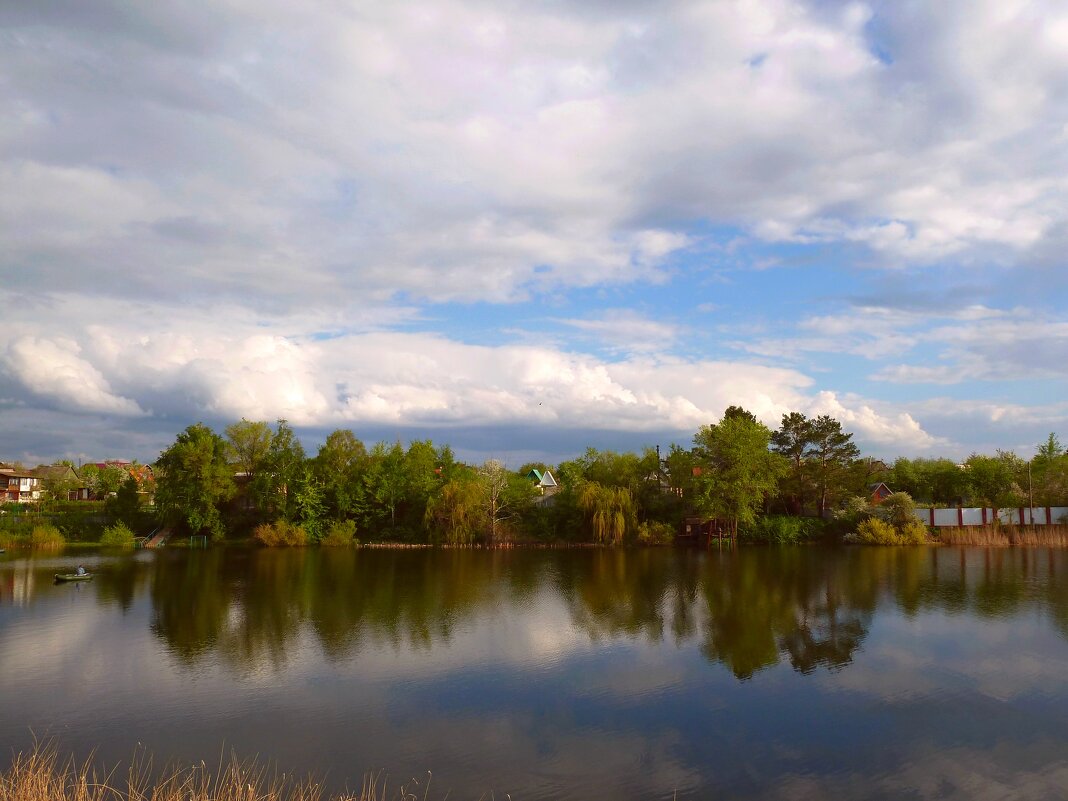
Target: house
x=877 y=493
x=19 y=485
x=64 y=475
x=141 y=473
x=545 y=485
x=543 y=481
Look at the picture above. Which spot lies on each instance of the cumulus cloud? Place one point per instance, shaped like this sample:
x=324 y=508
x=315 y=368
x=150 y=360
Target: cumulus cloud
x=224 y=369
x=478 y=151
x=321 y=179
x=53 y=369
x=1019 y=345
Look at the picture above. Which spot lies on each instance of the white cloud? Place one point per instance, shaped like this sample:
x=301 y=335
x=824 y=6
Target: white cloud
x=1019 y=345
x=53 y=369
x=323 y=172
x=474 y=151
x=628 y=331
x=884 y=428
x=219 y=366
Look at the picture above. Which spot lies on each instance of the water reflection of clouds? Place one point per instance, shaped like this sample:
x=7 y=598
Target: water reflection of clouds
x=909 y=658
x=859 y=666
x=1033 y=771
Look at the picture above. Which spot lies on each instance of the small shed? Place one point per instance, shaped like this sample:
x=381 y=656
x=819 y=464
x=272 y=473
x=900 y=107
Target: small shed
x=543 y=481
x=877 y=493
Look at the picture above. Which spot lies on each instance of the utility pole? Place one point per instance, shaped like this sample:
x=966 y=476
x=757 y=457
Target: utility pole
x=1030 y=495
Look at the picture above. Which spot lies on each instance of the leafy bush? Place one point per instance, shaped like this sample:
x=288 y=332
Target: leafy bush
x=874 y=531
x=118 y=535
x=898 y=508
x=9 y=539
x=46 y=536
x=340 y=534
x=854 y=509
x=652 y=532
x=913 y=533
x=783 y=530
x=280 y=534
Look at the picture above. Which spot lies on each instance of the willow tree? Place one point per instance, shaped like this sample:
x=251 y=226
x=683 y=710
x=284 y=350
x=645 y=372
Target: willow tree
x=458 y=511
x=609 y=510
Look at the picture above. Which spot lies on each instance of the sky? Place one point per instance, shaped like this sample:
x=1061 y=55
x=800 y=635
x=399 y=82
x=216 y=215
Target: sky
x=527 y=227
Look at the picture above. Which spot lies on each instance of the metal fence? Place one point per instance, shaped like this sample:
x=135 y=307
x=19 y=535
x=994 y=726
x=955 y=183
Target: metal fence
x=976 y=516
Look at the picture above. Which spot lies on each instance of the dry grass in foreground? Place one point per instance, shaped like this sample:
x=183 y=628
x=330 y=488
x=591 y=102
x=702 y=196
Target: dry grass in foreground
x=42 y=776
x=1055 y=536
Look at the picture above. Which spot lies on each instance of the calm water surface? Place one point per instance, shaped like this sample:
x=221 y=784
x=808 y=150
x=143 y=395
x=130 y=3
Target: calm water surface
x=760 y=673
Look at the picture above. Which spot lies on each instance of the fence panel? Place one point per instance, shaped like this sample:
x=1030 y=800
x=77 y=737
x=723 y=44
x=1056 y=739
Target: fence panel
x=1008 y=517
x=1035 y=517
x=945 y=517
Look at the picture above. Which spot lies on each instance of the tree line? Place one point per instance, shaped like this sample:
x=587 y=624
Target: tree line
x=254 y=478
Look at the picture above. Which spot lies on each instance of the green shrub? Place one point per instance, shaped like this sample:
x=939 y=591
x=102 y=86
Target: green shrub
x=280 y=534
x=898 y=508
x=783 y=530
x=913 y=533
x=652 y=532
x=118 y=535
x=874 y=531
x=340 y=534
x=46 y=536
x=9 y=539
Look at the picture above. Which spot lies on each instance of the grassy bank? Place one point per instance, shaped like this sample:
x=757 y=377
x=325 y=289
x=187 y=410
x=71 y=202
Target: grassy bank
x=42 y=776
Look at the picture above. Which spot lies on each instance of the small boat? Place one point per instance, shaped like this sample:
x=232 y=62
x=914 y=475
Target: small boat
x=73 y=577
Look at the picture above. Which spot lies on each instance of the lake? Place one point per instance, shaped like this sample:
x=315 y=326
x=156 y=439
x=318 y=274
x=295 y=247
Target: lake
x=788 y=673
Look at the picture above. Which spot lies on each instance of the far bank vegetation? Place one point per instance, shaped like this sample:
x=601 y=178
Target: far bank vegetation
x=805 y=481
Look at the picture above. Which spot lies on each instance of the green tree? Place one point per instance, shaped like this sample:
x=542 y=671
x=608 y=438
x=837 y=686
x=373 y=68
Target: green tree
x=337 y=466
x=929 y=480
x=506 y=496
x=832 y=452
x=103 y=481
x=279 y=474
x=994 y=480
x=125 y=506
x=737 y=469
x=59 y=481
x=192 y=479
x=679 y=465
x=794 y=442
x=309 y=503
x=457 y=513
x=609 y=511
x=422 y=480
x=249 y=442
x=1050 y=473
x=386 y=482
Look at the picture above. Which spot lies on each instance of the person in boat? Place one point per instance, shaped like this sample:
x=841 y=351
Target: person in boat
x=80 y=571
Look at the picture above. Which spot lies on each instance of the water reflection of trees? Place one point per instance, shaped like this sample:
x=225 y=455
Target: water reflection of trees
x=747 y=609
x=813 y=607
x=251 y=608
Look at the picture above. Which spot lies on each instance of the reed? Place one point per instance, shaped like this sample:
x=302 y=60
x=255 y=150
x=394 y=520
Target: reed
x=1055 y=536
x=41 y=775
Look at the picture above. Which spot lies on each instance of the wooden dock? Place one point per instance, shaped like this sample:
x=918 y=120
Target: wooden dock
x=157 y=539
x=701 y=531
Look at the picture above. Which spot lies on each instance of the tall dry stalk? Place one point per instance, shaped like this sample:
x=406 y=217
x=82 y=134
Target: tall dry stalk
x=41 y=776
